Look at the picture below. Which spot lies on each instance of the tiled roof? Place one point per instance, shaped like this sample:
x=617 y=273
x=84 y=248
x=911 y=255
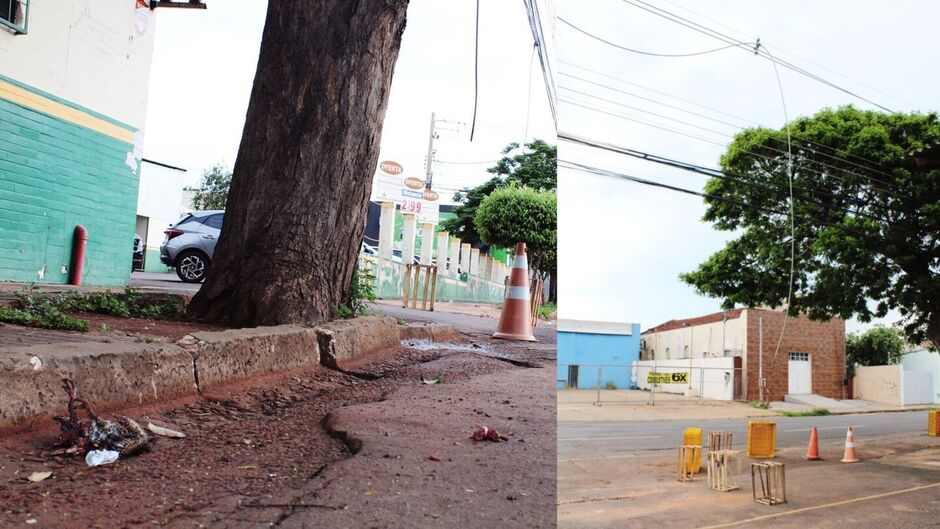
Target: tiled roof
x=700 y=320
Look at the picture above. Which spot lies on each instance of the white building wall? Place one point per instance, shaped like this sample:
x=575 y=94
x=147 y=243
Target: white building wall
x=924 y=360
x=159 y=198
x=86 y=52
x=711 y=377
x=704 y=341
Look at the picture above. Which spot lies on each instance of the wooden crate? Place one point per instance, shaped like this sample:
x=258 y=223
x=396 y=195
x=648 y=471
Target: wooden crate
x=686 y=457
x=718 y=441
x=724 y=469
x=933 y=423
x=769 y=482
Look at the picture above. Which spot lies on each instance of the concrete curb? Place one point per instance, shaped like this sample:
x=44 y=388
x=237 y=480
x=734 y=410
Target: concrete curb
x=239 y=353
x=112 y=376
x=115 y=375
x=428 y=331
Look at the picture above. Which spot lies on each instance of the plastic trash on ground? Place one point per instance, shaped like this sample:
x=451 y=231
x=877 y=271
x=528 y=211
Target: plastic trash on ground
x=101 y=457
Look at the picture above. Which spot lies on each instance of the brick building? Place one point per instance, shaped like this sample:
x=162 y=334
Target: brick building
x=74 y=78
x=811 y=358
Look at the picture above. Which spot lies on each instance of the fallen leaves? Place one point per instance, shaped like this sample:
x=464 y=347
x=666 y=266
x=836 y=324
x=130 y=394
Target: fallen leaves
x=36 y=477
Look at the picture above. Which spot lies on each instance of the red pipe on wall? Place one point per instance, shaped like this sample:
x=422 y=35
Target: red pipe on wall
x=79 y=242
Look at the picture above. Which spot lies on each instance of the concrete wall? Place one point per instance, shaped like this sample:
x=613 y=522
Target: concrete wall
x=589 y=350
x=73 y=94
x=158 y=198
x=701 y=340
x=924 y=360
x=714 y=378
x=878 y=384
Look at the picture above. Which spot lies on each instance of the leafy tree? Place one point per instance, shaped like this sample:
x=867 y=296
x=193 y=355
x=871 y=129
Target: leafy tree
x=513 y=214
x=876 y=346
x=296 y=209
x=213 y=189
x=867 y=220
x=533 y=166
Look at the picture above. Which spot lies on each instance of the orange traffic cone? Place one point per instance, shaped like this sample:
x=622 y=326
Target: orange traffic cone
x=515 y=322
x=850 y=456
x=812 y=453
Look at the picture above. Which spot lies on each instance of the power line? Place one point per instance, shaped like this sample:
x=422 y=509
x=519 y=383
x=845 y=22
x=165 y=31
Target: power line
x=724 y=175
x=785 y=52
x=672 y=17
x=652 y=183
x=476 y=71
x=481 y=162
x=720 y=144
x=705 y=107
x=641 y=52
x=538 y=35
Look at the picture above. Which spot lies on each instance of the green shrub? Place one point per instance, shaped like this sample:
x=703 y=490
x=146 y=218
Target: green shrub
x=362 y=291
x=815 y=412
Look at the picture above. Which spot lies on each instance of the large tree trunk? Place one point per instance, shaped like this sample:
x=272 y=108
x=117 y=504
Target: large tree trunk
x=300 y=190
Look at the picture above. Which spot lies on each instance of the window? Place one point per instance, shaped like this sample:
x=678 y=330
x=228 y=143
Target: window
x=14 y=14
x=799 y=357
x=214 y=221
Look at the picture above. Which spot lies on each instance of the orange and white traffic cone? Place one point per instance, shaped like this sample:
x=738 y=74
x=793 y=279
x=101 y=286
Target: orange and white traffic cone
x=515 y=322
x=812 y=453
x=850 y=456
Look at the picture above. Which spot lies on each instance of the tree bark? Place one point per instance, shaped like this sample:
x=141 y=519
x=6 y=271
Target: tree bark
x=300 y=189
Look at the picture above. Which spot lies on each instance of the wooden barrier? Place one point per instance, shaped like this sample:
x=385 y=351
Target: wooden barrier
x=686 y=457
x=724 y=467
x=412 y=281
x=718 y=441
x=773 y=483
x=536 y=287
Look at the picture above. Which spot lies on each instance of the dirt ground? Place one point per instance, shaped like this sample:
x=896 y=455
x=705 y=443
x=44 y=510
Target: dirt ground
x=102 y=327
x=896 y=485
x=371 y=446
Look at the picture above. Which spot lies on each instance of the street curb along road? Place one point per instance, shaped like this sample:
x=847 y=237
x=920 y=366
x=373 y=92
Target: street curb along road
x=112 y=376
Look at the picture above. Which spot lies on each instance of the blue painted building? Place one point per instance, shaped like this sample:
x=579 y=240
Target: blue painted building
x=594 y=354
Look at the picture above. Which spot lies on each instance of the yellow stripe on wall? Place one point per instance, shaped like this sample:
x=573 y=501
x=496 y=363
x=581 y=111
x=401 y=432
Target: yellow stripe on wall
x=33 y=101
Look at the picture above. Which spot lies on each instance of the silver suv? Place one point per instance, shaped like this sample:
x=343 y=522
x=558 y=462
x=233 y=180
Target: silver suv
x=190 y=243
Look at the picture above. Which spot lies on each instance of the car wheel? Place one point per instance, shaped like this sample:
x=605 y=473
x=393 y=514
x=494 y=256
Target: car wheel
x=191 y=266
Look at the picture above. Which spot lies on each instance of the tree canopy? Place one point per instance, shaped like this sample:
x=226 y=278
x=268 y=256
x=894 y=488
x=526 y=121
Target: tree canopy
x=513 y=214
x=534 y=165
x=876 y=346
x=866 y=215
x=213 y=188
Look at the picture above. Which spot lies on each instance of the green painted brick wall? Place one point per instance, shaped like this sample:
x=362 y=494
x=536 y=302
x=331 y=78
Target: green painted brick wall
x=55 y=175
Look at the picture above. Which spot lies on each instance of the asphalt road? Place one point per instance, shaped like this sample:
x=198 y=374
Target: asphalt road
x=596 y=440
x=163 y=282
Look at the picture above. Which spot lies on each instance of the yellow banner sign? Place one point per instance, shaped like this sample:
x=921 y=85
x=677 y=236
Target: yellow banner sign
x=667 y=378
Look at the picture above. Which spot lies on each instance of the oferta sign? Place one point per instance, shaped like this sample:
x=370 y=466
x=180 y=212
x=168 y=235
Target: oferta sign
x=667 y=378
x=409 y=192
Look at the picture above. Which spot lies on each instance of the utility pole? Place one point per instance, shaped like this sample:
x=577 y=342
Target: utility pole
x=724 y=327
x=429 y=173
x=760 y=359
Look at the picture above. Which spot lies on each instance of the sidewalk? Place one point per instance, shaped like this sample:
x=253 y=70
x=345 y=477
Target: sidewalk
x=620 y=405
x=849 y=407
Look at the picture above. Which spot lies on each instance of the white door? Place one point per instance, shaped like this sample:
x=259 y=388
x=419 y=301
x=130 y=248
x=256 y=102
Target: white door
x=800 y=379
